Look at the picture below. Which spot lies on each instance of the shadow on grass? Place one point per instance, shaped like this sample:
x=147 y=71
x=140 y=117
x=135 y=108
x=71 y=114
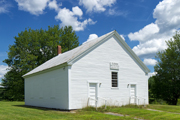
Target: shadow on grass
x=88 y=108
x=41 y=108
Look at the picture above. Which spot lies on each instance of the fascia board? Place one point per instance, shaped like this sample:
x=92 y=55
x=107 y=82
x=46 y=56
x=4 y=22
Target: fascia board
x=46 y=70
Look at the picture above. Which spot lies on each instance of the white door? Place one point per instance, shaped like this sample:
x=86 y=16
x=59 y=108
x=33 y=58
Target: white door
x=92 y=93
x=133 y=94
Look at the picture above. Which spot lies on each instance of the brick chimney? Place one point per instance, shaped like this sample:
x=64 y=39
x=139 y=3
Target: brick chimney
x=58 y=49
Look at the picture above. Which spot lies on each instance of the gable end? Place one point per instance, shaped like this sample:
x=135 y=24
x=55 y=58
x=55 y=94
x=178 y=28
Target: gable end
x=138 y=60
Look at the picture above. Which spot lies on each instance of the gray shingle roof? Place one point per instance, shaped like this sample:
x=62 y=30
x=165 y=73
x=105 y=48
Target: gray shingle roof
x=67 y=56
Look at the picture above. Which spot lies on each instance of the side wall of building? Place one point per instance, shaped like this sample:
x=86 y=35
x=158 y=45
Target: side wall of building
x=48 y=89
x=95 y=67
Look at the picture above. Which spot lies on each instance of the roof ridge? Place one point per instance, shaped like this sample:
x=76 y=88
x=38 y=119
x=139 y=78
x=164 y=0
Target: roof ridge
x=69 y=56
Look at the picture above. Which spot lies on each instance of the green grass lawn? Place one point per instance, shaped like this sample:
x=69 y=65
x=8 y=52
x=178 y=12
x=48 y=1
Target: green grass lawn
x=143 y=113
x=167 y=108
x=18 y=111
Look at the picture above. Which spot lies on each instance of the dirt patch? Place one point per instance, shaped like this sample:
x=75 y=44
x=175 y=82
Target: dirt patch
x=121 y=115
x=115 y=114
x=154 y=110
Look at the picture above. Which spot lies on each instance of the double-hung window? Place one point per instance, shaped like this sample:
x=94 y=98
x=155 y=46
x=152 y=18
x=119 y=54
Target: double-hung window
x=114 y=78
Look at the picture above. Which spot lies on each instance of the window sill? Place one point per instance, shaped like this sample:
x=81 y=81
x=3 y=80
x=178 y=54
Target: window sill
x=115 y=88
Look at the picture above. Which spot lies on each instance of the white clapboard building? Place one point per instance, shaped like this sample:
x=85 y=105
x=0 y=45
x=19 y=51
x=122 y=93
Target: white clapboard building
x=103 y=70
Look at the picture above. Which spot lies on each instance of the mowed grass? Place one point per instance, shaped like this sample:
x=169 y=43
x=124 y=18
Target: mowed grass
x=17 y=111
x=167 y=108
x=143 y=113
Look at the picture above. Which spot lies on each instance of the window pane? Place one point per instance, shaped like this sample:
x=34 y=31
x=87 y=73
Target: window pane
x=114 y=85
x=114 y=79
x=114 y=75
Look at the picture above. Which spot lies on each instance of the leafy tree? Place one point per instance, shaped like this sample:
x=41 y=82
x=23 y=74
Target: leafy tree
x=31 y=49
x=14 y=83
x=167 y=80
x=150 y=86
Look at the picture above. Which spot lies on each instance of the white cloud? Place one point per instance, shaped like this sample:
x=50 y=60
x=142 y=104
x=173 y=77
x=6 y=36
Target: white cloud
x=112 y=12
x=115 y=12
x=144 y=33
x=4 y=6
x=35 y=7
x=151 y=62
x=153 y=36
x=77 y=11
x=150 y=48
x=152 y=74
x=53 y=5
x=167 y=15
x=96 y=5
x=91 y=37
x=68 y=17
x=3 y=70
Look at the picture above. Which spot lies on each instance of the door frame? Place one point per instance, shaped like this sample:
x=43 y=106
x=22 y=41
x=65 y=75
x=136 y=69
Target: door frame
x=135 y=90
x=97 y=87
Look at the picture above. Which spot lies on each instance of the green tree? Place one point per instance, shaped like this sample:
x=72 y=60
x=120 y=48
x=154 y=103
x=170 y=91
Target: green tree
x=31 y=49
x=150 y=86
x=14 y=83
x=167 y=80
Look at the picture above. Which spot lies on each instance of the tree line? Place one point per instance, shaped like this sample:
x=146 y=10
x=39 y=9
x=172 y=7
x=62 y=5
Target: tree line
x=31 y=48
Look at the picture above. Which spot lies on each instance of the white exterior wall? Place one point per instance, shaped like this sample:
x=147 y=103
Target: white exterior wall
x=95 y=67
x=48 y=89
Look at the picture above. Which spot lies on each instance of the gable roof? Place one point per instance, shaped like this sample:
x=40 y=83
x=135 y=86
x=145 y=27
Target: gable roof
x=71 y=55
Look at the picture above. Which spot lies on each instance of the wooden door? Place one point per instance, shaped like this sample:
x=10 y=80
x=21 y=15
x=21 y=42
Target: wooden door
x=92 y=93
x=133 y=94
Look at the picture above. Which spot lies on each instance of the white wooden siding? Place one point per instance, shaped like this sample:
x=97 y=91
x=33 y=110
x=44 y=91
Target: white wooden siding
x=49 y=89
x=94 y=66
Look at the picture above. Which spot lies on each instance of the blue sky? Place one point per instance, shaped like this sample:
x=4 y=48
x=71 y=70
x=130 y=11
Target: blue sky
x=145 y=24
